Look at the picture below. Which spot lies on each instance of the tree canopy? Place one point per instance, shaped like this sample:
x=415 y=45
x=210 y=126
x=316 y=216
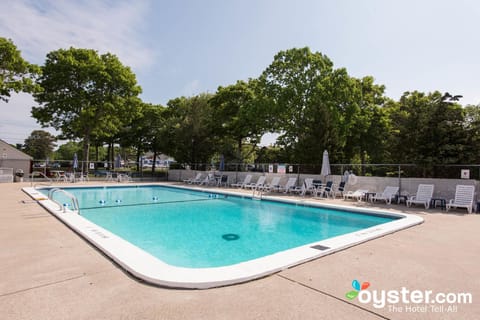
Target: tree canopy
x=301 y=96
x=85 y=94
x=318 y=108
x=242 y=116
x=39 y=144
x=301 y=107
x=16 y=74
x=428 y=130
x=190 y=124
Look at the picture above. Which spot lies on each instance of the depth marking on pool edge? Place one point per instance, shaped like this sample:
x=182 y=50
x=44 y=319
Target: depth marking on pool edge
x=367 y=232
x=97 y=232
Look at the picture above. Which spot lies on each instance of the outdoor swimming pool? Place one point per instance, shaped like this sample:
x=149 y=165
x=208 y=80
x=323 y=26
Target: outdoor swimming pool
x=222 y=238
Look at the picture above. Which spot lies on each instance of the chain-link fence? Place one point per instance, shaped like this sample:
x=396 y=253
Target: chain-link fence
x=100 y=169
x=468 y=171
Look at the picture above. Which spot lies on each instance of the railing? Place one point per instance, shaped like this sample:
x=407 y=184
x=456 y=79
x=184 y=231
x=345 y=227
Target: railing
x=75 y=206
x=39 y=173
x=403 y=170
x=257 y=194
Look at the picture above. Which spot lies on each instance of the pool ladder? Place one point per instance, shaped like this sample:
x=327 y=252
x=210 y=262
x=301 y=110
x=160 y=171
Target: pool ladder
x=75 y=206
x=257 y=194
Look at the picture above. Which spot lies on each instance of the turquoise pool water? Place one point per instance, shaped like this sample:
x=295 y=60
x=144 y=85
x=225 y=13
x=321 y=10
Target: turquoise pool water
x=198 y=230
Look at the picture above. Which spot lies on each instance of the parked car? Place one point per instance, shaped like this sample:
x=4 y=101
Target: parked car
x=55 y=165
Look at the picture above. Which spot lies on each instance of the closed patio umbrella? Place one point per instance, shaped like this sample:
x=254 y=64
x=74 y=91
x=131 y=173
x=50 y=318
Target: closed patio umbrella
x=75 y=161
x=325 y=165
x=75 y=165
x=118 y=161
x=222 y=163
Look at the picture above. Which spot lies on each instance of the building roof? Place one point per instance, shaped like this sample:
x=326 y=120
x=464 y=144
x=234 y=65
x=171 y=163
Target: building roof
x=11 y=153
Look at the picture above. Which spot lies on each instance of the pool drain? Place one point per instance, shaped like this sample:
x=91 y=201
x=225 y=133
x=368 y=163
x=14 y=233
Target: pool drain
x=230 y=236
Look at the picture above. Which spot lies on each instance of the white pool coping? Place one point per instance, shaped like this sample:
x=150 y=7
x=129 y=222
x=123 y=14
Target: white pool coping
x=151 y=269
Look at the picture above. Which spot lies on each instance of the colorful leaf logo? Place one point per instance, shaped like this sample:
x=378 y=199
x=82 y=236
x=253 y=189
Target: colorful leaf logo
x=358 y=287
x=365 y=285
x=351 y=294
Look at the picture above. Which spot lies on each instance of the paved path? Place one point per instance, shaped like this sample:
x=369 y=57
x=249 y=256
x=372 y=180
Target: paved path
x=48 y=272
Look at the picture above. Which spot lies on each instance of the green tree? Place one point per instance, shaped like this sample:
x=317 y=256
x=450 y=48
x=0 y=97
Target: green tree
x=427 y=130
x=39 y=144
x=16 y=74
x=472 y=129
x=309 y=97
x=136 y=133
x=148 y=132
x=242 y=116
x=85 y=95
x=67 y=150
x=366 y=123
x=190 y=125
x=159 y=136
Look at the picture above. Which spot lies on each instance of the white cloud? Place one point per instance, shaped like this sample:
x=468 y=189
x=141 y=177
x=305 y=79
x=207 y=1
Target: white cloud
x=16 y=124
x=38 y=27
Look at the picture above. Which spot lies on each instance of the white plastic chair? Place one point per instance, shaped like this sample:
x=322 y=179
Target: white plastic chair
x=273 y=185
x=357 y=194
x=257 y=185
x=245 y=182
x=463 y=198
x=306 y=187
x=386 y=195
x=289 y=186
x=197 y=178
x=423 y=196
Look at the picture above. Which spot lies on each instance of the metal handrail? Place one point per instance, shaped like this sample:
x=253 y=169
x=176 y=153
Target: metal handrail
x=259 y=193
x=75 y=205
x=34 y=173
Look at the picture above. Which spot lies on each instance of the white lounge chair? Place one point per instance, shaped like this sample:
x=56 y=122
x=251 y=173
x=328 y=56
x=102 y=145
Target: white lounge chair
x=289 y=186
x=258 y=185
x=196 y=179
x=121 y=177
x=273 y=185
x=209 y=180
x=245 y=182
x=357 y=194
x=387 y=195
x=307 y=187
x=423 y=196
x=463 y=198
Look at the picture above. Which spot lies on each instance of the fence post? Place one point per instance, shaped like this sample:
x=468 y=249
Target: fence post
x=298 y=174
x=236 y=172
x=399 y=179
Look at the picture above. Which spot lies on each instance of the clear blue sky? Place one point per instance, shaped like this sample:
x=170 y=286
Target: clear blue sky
x=187 y=47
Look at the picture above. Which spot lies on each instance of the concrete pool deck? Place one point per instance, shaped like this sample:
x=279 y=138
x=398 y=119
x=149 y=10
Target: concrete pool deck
x=49 y=272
